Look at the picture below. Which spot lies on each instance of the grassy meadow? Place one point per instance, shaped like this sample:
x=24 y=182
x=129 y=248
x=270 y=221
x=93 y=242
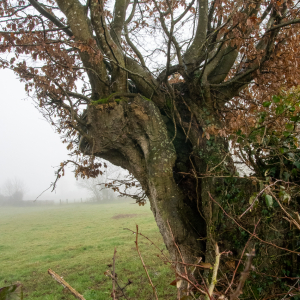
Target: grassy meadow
x=77 y=242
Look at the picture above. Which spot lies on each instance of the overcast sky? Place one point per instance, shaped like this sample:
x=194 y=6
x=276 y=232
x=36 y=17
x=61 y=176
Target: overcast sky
x=30 y=150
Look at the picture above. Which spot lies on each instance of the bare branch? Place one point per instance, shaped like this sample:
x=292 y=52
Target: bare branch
x=119 y=20
x=185 y=12
x=34 y=31
x=215 y=273
x=244 y=275
x=61 y=281
x=133 y=47
x=49 y=16
x=193 y=52
x=254 y=235
x=132 y=12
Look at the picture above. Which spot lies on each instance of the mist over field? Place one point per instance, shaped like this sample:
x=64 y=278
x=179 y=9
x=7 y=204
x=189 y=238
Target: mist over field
x=31 y=151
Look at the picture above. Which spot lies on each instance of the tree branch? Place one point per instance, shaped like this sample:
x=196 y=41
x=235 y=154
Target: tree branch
x=34 y=31
x=61 y=281
x=214 y=275
x=128 y=40
x=79 y=23
x=118 y=21
x=133 y=47
x=194 y=51
x=244 y=275
x=185 y=12
x=291 y=22
x=50 y=17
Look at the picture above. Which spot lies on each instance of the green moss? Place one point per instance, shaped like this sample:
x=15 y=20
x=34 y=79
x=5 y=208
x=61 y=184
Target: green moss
x=100 y=101
x=107 y=99
x=146 y=98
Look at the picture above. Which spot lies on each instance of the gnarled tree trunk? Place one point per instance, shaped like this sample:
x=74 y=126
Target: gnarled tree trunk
x=131 y=133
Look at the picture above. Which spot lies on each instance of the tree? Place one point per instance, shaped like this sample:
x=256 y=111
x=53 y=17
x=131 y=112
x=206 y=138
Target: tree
x=151 y=86
x=98 y=186
x=93 y=186
x=13 y=190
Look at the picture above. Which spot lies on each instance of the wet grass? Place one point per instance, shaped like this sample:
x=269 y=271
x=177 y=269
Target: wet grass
x=77 y=242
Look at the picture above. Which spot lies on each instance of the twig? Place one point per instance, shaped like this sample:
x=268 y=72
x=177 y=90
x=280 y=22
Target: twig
x=254 y=235
x=191 y=265
x=273 y=296
x=175 y=242
x=43 y=192
x=137 y=249
x=166 y=260
x=114 y=276
x=61 y=281
x=177 y=246
x=258 y=195
x=107 y=273
x=215 y=273
x=244 y=276
x=172 y=262
x=161 y=251
x=204 y=285
x=234 y=273
x=193 y=284
x=289 y=217
x=290 y=290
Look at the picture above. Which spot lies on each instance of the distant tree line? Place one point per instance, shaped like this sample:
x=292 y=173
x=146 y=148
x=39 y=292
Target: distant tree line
x=12 y=192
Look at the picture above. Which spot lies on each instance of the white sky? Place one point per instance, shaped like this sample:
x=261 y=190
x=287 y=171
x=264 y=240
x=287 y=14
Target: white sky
x=30 y=150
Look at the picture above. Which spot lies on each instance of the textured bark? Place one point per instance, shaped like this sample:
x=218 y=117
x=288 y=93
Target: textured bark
x=133 y=135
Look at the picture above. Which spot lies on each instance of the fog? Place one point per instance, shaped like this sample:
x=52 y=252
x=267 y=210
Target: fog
x=30 y=150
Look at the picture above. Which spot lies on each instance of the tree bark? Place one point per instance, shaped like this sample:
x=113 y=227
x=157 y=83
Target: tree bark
x=132 y=134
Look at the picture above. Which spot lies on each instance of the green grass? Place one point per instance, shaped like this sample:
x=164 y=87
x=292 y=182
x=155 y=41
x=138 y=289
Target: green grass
x=77 y=242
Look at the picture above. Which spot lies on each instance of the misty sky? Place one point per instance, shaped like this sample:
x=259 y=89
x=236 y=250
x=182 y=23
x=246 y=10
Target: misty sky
x=30 y=150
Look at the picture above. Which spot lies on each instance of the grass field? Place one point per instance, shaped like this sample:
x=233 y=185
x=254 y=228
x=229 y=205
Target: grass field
x=77 y=242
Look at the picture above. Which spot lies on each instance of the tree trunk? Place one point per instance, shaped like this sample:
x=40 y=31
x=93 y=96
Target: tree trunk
x=133 y=133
